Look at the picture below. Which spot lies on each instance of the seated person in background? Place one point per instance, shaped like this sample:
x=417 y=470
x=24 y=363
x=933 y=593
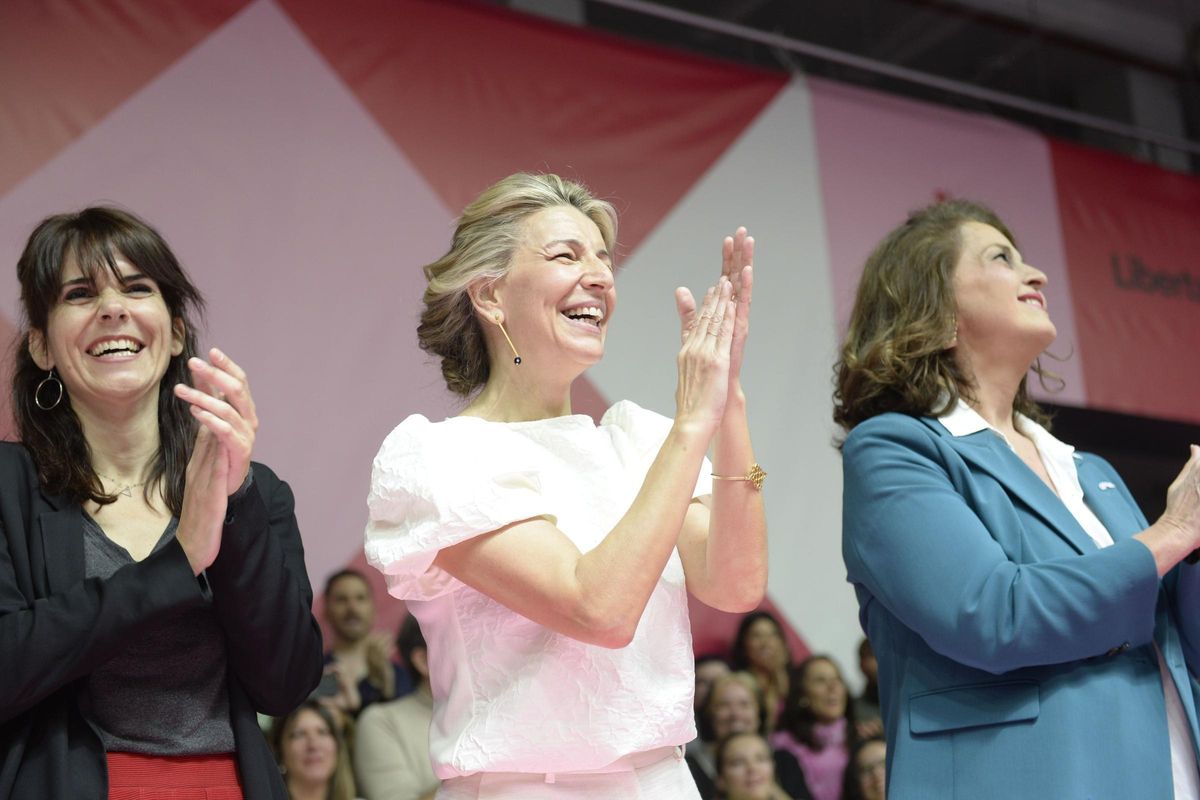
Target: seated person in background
x=709 y=668
x=735 y=705
x=362 y=659
x=312 y=755
x=866 y=705
x=817 y=725
x=866 y=774
x=391 y=748
x=761 y=648
x=746 y=769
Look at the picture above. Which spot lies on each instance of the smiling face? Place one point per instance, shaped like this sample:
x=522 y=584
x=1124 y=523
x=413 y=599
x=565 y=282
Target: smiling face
x=309 y=749
x=558 y=296
x=733 y=708
x=110 y=339
x=765 y=647
x=822 y=687
x=747 y=769
x=999 y=300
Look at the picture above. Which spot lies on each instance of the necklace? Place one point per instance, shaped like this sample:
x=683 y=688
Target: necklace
x=125 y=492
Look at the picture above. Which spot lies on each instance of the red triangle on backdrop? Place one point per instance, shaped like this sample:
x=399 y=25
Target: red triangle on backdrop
x=67 y=65
x=639 y=125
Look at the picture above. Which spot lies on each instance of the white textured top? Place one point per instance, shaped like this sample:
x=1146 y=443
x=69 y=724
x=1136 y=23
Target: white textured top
x=511 y=695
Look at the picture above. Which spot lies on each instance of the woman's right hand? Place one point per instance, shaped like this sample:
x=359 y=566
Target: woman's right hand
x=704 y=358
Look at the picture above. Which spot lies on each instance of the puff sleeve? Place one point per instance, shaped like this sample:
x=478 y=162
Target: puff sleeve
x=434 y=485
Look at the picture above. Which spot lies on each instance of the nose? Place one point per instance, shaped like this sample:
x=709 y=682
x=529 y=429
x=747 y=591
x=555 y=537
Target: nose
x=112 y=305
x=597 y=274
x=1036 y=277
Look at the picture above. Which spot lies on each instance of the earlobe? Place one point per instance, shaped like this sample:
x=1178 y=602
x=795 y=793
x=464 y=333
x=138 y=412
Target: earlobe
x=38 y=351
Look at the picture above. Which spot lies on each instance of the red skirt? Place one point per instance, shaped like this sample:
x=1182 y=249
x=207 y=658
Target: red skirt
x=132 y=776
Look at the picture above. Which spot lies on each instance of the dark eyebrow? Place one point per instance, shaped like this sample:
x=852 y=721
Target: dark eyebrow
x=578 y=245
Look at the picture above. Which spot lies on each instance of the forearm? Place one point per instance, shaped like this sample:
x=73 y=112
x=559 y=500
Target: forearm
x=735 y=559
x=1168 y=543
x=615 y=580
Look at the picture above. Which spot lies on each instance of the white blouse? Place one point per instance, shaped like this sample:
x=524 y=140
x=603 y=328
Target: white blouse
x=511 y=695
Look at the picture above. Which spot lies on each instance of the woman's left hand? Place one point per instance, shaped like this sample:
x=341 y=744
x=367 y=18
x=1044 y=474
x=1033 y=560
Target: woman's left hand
x=737 y=254
x=221 y=402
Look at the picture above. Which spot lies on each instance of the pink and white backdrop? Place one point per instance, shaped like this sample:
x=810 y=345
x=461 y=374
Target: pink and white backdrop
x=306 y=158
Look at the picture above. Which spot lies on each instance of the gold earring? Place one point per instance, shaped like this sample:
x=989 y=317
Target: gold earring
x=516 y=355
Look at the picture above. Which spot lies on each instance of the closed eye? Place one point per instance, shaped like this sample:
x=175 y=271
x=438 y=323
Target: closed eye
x=139 y=288
x=76 y=293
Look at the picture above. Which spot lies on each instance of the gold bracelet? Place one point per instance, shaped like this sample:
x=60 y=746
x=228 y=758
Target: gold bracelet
x=756 y=476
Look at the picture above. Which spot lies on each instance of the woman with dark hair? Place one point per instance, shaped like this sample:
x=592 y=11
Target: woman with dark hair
x=548 y=558
x=1036 y=637
x=760 y=647
x=313 y=756
x=153 y=594
x=866 y=773
x=817 y=725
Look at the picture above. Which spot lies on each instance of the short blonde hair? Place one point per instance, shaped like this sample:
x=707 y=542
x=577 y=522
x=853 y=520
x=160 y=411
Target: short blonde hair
x=485 y=238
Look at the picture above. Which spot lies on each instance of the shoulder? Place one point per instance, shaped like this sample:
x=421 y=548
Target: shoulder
x=16 y=466
x=892 y=428
x=636 y=421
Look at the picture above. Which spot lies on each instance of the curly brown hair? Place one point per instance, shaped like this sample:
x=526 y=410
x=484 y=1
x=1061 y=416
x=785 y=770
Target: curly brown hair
x=487 y=233
x=895 y=356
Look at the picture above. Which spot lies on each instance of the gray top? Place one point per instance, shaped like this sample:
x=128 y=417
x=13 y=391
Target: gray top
x=165 y=693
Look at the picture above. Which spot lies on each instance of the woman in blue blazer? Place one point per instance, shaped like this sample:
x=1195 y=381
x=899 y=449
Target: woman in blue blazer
x=1036 y=637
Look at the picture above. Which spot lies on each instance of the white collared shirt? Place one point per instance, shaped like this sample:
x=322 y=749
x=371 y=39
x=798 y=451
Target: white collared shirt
x=1059 y=460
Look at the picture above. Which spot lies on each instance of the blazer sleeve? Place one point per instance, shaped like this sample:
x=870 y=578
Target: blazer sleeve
x=262 y=597
x=913 y=541
x=49 y=641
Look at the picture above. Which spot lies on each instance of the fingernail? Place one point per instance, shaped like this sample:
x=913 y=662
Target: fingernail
x=216 y=354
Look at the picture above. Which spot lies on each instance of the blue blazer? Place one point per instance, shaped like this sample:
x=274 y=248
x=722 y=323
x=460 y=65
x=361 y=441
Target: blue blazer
x=1016 y=659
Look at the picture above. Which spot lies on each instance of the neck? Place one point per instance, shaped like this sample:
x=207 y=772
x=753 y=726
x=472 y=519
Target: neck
x=519 y=393
x=306 y=790
x=994 y=389
x=123 y=445
x=343 y=648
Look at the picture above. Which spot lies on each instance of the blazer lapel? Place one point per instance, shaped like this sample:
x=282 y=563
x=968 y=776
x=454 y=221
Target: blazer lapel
x=986 y=452
x=60 y=531
x=1108 y=503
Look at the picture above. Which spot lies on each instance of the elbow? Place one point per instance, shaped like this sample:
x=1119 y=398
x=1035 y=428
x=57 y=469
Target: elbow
x=604 y=628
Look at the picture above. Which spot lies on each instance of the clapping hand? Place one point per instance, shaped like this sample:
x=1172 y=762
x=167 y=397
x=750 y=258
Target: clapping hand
x=221 y=402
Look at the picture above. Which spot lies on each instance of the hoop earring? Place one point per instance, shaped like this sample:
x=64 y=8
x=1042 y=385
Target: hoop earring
x=53 y=380
x=516 y=355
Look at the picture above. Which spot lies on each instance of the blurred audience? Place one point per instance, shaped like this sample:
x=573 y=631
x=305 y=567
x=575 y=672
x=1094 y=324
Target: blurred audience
x=735 y=705
x=866 y=705
x=817 y=725
x=360 y=660
x=746 y=769
x=760 y=647
x=391 y=753
x=866 y=774
x=312 y=754
x=708 y=669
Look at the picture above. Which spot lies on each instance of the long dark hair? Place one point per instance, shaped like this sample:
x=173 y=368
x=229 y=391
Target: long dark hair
x=797 y=717
x=739 y=659
x=93 y=238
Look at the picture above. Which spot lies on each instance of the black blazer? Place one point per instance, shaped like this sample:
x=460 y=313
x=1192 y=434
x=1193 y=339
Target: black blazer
x=56 y=627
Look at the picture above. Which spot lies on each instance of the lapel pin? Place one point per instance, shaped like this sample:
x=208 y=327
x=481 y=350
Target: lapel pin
x=1106 y=485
